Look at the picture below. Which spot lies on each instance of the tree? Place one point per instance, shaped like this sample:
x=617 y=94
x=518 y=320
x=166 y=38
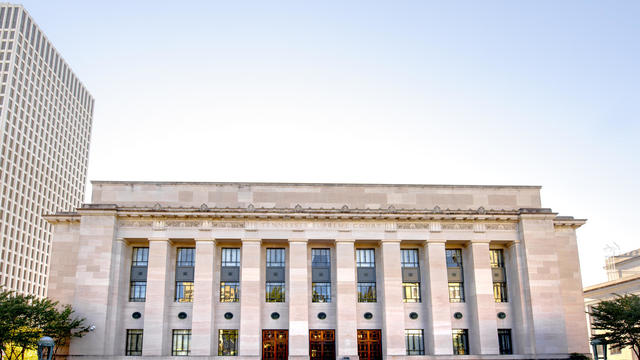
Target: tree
x=617 y=322
x=24 y=319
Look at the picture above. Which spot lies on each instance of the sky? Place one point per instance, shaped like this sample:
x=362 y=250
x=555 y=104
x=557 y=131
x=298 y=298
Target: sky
x=444 y=92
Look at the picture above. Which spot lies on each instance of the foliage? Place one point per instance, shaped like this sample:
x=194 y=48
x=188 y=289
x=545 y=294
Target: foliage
x=24 y=319
x=617 y=322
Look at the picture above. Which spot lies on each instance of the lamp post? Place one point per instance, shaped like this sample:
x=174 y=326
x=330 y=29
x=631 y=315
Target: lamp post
x=45 y=348
x=599 y=344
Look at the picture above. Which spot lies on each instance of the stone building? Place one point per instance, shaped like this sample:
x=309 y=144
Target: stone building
x=623 y=273
x=45 y=127
x=320 y=271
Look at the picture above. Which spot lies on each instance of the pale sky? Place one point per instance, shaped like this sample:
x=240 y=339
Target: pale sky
x=466 y=92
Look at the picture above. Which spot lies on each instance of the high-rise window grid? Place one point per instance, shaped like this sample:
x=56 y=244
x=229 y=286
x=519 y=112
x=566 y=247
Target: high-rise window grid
x=133 y=345
x=499 y=277
x=504 y=341
x=366 y=259
x=181 y=342
x=227 y=342
x=456 y=275
x=321 y=280
x=414 y=341
x=460 y=339
x=410 y=275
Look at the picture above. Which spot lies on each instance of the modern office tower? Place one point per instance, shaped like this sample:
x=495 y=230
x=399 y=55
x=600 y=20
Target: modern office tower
x=45 y=125
x=320 y=271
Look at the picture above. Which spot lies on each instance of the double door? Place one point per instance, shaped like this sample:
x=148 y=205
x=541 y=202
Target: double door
x=369 y=344
x=275 y=344
x=322 y=345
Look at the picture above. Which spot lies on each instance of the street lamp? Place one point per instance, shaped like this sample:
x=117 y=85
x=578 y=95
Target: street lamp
x=599 y=344
x=45 y=348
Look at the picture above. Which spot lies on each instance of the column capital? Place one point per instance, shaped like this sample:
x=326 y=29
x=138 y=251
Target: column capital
x=166 y=239
x=480 y=241
x=251 y=241
x=435 y=241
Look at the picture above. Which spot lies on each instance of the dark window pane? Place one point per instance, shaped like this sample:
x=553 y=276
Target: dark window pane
x=320 y=258
x=321 y=292
x=365 y=257
x=366 y=292
x=228 y=343
x=134 y=342
x=186 y=257
x=275 y=292
x=138 y=291
x=460 y=342
x=504 y=341
x=454 y=257
x=275 y=258
x=231 y=257
x=140 y=257
x=409 y=258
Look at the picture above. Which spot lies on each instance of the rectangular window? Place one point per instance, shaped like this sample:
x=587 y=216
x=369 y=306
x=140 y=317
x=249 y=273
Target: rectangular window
x=134 y=342
x=186 y=257
x=231 y=257
x=181 y=343
x=321 y=292
x=184 y=291
x=460 y=342
x=410 y=275
x=455 y=274
x=320 y=258
x=138 y=291
x=411 y=292
x=496 y=257
x=366 y=292
x=504 y=341
x=229 y=291
x=414 y=340
x=275 y=292
x=275 y=258
x=456 y=292
x=227 y=342
x=365 y=258
x=140 y=257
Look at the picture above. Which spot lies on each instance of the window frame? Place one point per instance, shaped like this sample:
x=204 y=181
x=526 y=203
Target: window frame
x=182 y=335
x=461 y=338
x=366 y=258
x=323 y=296
x=270 y=288
x=186 y=257
x=221 y=342
x=225 y=286
x=413 y=297
x=230 y=257
x=504 y=338
x=367 y=292
x=138 y=335
x=134 y=287
x=276 y=257
x=410 y=336
x=185 y=286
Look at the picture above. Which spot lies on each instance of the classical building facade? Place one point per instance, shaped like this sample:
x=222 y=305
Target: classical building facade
x=45 y=126
x=623 y=273
x=320 y=271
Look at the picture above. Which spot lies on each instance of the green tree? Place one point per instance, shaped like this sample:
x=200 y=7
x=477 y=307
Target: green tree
x=617 y=322
x=24 y=319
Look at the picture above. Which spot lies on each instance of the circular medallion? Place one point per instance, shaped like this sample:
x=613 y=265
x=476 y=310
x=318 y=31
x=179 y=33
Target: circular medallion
x=136 y=315
x=228 y=315
x=413 y=315
x=275 y=316
x=501 y=315
x=322 y=316
x=182 y=315
x=458 y=315
x=368 y=315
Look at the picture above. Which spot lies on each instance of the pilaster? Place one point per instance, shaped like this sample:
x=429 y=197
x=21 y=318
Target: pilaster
x=202 y=326
x=393 y=331
x=346 y=332
x=156 y=337
x=483 y=335
x=250 y=337
x=438 y=331
x=298 y=299
x=116 y=296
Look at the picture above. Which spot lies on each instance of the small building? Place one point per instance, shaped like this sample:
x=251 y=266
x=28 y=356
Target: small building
x=623 y=273
x=319 y=271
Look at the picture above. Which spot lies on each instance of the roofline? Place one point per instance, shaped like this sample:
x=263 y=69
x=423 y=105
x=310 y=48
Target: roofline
x=611 y=283
x=111 y=182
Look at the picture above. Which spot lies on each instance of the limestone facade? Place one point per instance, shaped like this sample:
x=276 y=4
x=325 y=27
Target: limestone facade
x=391 y=272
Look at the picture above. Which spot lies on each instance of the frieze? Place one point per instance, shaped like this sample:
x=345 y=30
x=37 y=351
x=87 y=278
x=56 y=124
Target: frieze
x=502 y=227
x=414 y=226
x=457 y=226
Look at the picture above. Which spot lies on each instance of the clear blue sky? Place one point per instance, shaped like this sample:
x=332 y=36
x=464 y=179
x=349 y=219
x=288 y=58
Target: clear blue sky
x=497 y=92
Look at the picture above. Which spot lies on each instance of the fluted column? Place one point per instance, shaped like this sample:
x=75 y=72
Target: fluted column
x=483 y=335
x=250 y=300
x=346 y=334
x=202 y=338
x=298 y=299
x=393 y=331
x=158 y=298
x=438 y=331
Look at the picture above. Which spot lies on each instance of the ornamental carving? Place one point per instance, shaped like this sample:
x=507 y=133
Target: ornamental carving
x=502 y=227
x=457 y=226
x=413 y=226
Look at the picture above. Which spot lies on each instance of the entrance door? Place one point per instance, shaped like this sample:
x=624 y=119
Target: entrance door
x=275 y=344
x=369 y=344
x=322 y=345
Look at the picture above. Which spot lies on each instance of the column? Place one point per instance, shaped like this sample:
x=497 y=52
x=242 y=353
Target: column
x=523 y=341
x=118 y=285
x=393 y=331
x=483 y=332
x=346 y=332
x=202 y=329
x=250 y=336
x=438 y=332
x=159 y=295
x=298 y=299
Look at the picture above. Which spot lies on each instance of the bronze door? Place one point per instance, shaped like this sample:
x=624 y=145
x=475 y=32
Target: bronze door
x=369 y=344
x=322 y=344
x=275 y=344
